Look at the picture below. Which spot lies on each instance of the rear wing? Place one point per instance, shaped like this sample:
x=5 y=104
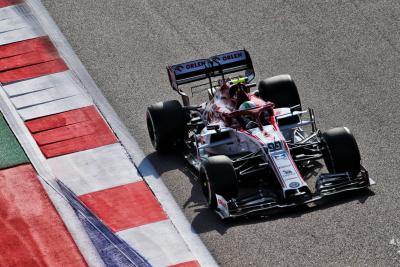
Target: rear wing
x=218 y=65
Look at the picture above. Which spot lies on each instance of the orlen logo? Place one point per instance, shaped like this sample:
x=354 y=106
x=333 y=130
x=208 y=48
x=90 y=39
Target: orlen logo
x=190 y=65
x=195 y=64
x=231 y=56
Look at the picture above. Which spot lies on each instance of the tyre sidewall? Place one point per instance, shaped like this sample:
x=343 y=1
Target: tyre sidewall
x=218 y=176
x=341 y=153
x=281 y=90
x=166 y=123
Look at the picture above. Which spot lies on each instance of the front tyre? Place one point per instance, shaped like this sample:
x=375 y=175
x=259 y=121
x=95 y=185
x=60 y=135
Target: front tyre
x=341 y=153
x=218 y=176
x=166 y=124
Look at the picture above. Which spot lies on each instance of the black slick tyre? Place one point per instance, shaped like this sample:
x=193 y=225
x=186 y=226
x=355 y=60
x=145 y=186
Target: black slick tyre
x=282 y=91
x=166 y=124
x=218 y=176
x=341 y=153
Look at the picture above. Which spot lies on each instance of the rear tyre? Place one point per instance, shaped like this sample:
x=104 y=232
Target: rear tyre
x=280 y=90
x=218 y=176
x=166 y=124
x=341 y=153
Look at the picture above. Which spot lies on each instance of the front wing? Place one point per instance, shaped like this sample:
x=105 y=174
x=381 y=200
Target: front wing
x=261 y=203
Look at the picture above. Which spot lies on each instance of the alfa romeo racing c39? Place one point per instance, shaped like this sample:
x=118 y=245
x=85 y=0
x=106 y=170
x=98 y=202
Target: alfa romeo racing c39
x=253 y=146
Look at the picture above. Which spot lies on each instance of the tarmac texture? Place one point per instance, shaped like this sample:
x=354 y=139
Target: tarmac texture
x=344 y=57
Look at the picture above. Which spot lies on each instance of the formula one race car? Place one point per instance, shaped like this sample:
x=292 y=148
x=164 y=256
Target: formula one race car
x=251 y=147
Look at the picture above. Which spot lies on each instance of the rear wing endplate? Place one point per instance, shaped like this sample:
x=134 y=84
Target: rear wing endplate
x=218 y=65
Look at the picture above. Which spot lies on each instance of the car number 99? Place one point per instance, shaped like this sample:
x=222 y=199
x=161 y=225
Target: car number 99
x=274 y=146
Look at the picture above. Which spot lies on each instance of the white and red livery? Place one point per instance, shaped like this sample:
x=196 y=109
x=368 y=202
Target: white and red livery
x=255 y=150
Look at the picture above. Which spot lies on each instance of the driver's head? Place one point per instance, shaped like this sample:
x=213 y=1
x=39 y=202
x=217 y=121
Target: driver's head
x=247 y=105
x=238 y=94
x=247 y=121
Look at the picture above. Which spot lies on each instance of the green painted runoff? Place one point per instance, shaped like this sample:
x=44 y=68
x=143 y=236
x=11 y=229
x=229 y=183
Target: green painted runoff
x=11 y=152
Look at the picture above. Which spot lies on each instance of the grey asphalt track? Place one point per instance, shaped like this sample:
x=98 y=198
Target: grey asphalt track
x=345 y=58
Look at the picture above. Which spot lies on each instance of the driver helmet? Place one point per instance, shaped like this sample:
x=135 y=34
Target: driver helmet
x=247 y=105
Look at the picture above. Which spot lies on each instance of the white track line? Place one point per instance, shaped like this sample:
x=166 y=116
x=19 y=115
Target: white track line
x=47 y=95
x=95 y=169
x=17 y=24
x=160 y=235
